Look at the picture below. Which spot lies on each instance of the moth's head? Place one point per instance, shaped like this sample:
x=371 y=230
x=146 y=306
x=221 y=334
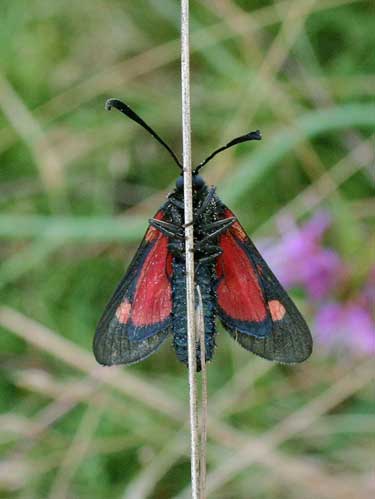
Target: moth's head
x=197 y=181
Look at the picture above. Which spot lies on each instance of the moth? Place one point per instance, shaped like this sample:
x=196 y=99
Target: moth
x=236 y=284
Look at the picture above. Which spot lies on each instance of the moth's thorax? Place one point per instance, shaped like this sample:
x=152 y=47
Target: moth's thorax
x=199 y=195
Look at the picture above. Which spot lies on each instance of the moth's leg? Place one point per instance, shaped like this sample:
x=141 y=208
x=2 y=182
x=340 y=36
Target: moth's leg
x=219 y=223
x=177 y=248
x=163 y=223
x=220 y=228
x=208 y=258
x=206 y=202
x=177 y=202
x=213 y=251
x=166 y=228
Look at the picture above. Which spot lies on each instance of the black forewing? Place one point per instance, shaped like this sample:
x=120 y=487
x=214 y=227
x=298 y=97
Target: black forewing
x=290 y=339
x=114 y=341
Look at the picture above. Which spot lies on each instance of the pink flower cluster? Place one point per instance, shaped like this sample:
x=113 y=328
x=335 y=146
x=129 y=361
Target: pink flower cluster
x=300 y=259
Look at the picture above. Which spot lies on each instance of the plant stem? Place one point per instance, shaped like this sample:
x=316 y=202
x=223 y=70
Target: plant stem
x=189 y=245
x=200 y=332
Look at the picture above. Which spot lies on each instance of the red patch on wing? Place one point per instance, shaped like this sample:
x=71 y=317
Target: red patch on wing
x=277 y=310
x=238 y=293
x=123 y=311
x=152 y=232
x=152 y=302
x=236 y=227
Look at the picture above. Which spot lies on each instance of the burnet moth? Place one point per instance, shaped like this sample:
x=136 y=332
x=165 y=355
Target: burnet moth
x=235 y=283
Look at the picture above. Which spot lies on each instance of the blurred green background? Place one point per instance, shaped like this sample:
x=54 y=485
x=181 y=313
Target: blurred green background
x=77 y=186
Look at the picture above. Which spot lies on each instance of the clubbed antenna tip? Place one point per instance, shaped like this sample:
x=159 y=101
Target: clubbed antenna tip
x=109 y=104
x=238 y=140
x=125 y=109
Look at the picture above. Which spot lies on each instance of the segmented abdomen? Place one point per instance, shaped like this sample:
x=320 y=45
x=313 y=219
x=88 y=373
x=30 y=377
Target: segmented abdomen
x=204 y=279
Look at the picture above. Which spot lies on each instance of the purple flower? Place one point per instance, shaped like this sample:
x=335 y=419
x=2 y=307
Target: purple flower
x=367 y=297
x=348 y=324
x=300 y=259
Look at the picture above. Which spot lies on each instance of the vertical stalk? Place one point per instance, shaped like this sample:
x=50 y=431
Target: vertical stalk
x=200 y=332
x=189 y=245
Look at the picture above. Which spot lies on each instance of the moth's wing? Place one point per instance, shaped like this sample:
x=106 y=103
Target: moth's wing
x=137 y=318
x=252 y=304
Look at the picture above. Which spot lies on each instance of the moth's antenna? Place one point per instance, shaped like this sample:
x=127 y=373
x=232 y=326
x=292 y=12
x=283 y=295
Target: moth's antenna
x=125 y=109
x=238 y=140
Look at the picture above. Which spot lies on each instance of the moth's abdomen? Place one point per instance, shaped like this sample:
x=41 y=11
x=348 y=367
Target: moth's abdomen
x=204 y=278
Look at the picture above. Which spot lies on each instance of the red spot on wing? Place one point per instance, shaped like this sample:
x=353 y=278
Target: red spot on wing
x=152 y=233
x=169 y=263
x=159 y=215
x=277 y=310
x=238 y=293
x=152 y=302
x=236 y=226
x=123 y=311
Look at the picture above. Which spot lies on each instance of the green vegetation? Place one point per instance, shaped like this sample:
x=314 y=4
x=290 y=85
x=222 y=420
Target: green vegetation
x=77 y=186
